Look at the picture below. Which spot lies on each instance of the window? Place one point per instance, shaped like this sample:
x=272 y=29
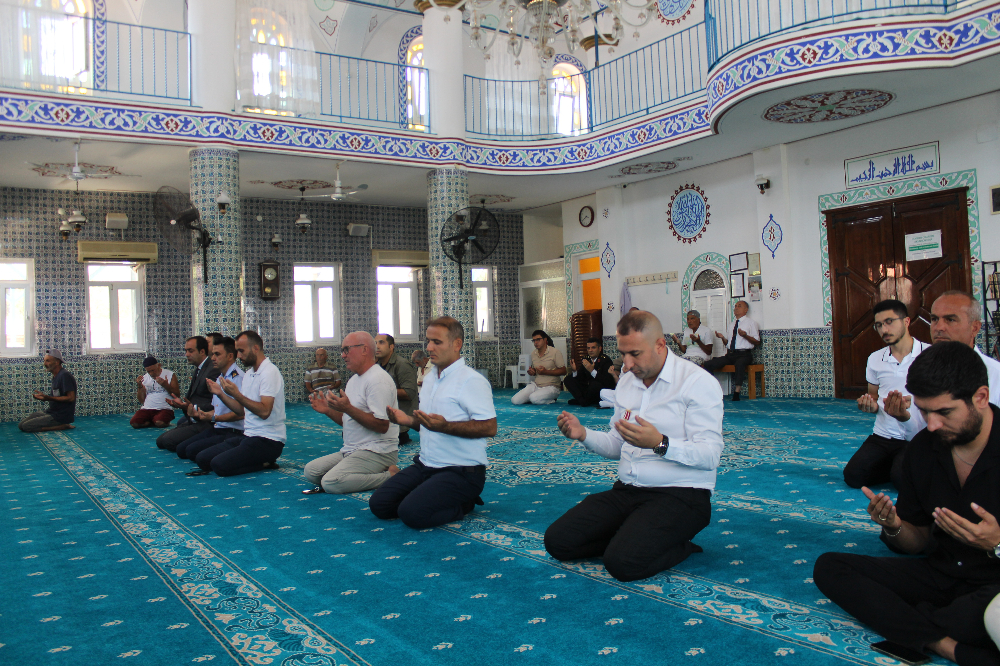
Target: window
x=54 y=45
x=397 y=301
x=317 y=304
x=116 y=306
x=569 y=99
x=417 y=87
x=17 y=305
x=482 y=282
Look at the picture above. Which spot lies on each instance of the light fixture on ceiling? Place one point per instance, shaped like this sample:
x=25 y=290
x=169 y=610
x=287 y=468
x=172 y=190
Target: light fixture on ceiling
x=77 y=220
x=223 y=201
x=538 y=21
x=65 y=230
x=303 y=223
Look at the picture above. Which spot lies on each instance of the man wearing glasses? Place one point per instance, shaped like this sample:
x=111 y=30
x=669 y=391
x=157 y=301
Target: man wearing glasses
x=880 y=458
x=371 y=442
x=548 y=368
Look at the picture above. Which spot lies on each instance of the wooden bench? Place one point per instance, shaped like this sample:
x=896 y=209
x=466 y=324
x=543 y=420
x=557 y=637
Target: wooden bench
x=752 y=371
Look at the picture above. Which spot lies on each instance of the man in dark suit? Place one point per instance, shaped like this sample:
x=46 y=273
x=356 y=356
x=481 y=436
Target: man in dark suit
x=197 y=352
x=590 y=375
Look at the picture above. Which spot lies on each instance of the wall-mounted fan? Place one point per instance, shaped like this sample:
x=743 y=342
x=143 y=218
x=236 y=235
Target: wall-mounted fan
x=340 y=192
x=469 y=236
x=179 y=222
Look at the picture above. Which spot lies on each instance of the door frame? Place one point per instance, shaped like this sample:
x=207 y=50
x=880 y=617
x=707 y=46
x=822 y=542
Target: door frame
x=899 y=190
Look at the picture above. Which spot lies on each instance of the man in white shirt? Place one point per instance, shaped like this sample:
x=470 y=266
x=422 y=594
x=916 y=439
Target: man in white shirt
x=739 y=347
x=456 y=416
x=667 y=435
x=956 y=316
x=696 y=341
x=371 y=442
x=547 y=367
x=154 y=388
x=880 y=458
x=262 y=398
x=228 y=423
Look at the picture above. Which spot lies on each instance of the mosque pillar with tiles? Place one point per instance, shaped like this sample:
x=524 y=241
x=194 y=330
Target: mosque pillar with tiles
x=447 y=192
x=218 y=302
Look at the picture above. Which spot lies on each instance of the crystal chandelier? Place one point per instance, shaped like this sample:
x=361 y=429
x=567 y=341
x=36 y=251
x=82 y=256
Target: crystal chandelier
x=538 y=21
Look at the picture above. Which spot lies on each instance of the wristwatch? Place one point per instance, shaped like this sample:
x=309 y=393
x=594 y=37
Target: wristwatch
x=661 y=448
x=994 y=553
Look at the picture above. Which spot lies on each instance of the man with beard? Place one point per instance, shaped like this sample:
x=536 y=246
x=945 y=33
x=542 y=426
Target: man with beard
x=667 y=435
x=262 y=401
x=949 y=495
x=880 y=457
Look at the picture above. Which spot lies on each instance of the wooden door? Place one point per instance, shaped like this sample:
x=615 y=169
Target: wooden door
x=868 y=264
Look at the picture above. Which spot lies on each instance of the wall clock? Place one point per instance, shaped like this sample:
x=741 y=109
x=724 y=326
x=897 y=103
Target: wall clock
x=270 y=279
x=586 y=216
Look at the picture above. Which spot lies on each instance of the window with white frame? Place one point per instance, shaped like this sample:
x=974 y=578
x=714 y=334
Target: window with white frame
x=317 y=303
x=482 y=283
x=116 y=306
x=17 y=304
x=397 y=301
x=417 y=87
x=569 y=99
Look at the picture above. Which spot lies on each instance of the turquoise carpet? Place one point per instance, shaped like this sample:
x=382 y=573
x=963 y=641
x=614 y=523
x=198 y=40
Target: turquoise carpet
x=112 y=555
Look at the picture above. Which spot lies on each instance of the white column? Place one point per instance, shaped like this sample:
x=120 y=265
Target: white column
x=778 y=270
x=444 y=48
x=212 y=24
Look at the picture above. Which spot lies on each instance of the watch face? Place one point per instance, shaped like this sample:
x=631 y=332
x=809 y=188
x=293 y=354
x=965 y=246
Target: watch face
x=270 y=273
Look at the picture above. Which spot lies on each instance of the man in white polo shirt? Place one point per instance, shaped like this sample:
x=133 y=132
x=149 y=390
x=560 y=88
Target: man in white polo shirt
x=880 y=458
x=371 y=442
x=666 y=433
x=456 y=416
x=696 y=341
x=739 y=347
x=262 y=398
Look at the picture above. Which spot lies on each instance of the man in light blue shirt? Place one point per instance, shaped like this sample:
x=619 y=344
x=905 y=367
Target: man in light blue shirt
x=667 y=436
x=456 y=416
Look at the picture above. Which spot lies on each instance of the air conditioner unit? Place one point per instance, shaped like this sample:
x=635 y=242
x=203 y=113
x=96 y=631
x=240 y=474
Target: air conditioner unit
x=116 y=221
x=141 y=253
x=355 y=229
x=414 y=258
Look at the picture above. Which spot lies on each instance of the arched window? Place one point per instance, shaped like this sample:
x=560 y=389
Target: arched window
x=569 y=99
x=55 y=45
x=417 y=88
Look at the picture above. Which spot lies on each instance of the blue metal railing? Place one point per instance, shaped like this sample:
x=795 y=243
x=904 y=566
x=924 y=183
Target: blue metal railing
x=139 y=60
x=735 y=23
x=519 y=109
x=378 y=93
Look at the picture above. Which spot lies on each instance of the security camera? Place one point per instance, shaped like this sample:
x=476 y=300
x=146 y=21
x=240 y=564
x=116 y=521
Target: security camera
x=303 y=223
x=762 y=184
x=223 y=200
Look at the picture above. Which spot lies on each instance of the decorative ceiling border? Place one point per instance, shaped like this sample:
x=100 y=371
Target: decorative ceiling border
x=906 y=42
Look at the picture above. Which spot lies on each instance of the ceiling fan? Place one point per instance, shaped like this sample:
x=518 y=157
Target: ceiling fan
x=341 y=192
x=76 y=172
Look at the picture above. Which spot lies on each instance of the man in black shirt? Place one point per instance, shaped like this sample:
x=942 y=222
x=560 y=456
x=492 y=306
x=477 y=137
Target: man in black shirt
x=588 y=377
x=62 y=401
x=949 y=495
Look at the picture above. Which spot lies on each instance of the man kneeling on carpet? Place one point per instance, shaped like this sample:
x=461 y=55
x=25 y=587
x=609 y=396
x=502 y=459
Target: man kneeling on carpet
x=228 y=423
x=371 y=442
x=667 y=435
x=154 y=388
x=62 y=400
x=262 y=398
x=456 y=416
x=949 y=497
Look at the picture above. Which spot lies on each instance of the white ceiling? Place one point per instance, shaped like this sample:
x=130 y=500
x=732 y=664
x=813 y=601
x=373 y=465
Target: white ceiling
x=741 y=131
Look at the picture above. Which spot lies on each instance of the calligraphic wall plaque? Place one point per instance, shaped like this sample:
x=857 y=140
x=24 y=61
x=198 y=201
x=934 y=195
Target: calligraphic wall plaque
x=892 y=165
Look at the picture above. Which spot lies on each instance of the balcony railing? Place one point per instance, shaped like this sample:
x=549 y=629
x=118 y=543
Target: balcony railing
x=51 y=51
x=519 y=109
x=376 y=93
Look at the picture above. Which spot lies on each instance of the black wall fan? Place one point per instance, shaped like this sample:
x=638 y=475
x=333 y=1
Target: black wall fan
x=179 y=222
x=469 y=236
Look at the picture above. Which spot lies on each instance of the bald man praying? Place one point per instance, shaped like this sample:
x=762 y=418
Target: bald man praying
x=667 y=435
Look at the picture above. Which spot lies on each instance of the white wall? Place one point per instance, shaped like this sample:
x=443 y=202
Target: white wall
x=543 y=239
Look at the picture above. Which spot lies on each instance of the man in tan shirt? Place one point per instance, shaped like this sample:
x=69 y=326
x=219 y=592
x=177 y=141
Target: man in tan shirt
x=548 y=368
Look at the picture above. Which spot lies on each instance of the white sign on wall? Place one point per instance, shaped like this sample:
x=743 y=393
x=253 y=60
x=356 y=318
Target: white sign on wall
x=926 y=245
x=892 y=165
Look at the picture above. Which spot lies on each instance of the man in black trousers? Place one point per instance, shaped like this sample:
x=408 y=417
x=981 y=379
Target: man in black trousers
x=590 y=375
x=197 y=352
x=949 y=495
